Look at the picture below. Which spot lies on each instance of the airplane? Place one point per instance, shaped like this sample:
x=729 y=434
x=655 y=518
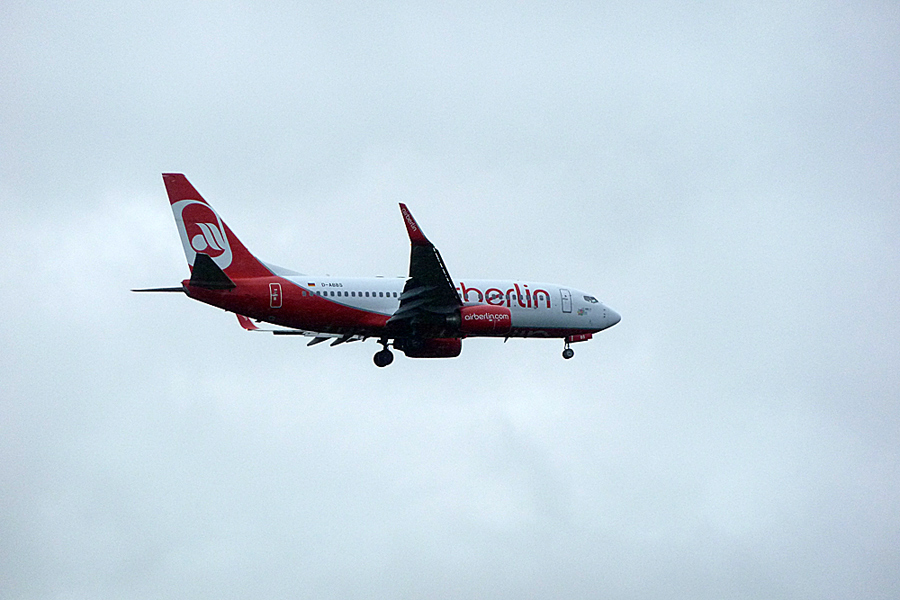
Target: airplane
x=424 y=315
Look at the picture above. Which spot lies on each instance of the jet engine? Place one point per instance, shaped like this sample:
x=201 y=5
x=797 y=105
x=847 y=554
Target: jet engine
x=484 y=319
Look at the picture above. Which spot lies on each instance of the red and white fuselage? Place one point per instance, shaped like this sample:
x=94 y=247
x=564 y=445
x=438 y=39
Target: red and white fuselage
x=349 y=304
x=426 y=314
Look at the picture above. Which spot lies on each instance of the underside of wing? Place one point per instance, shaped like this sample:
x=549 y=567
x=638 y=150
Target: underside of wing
x=318 y=336
x=429 y=302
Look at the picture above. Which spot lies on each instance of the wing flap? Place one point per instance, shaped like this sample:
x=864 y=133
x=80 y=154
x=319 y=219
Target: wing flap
x=318 y=337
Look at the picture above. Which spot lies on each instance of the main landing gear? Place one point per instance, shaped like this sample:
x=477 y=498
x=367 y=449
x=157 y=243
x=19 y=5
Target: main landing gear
x=568 y=352
x=383 y=357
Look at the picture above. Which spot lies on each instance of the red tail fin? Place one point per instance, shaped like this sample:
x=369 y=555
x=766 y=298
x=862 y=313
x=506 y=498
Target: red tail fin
x=202 y=231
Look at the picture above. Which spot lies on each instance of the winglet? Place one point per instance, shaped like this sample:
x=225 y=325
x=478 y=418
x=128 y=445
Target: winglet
x=416 y=237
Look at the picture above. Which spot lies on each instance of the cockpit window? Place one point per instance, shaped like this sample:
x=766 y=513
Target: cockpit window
x=591 y=299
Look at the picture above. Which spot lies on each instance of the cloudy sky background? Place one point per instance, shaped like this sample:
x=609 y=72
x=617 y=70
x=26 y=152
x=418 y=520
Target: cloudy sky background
x=725 y=178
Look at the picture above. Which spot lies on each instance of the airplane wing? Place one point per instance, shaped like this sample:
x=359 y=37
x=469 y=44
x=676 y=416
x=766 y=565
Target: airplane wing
x=428 y=299
x=318 y=337
x=429 y=295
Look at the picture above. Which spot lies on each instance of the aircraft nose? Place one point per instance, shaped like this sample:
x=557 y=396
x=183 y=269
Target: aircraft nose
x=612 y=317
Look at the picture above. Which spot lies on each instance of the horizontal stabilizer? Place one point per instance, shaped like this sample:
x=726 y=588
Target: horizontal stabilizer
x=246 y=323
x=207 y=274
x=166 y=289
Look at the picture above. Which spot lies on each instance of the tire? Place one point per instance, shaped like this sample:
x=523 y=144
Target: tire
x=383 y=358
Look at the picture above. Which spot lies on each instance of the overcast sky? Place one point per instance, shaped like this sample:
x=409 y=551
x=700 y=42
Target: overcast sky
x=725 y=178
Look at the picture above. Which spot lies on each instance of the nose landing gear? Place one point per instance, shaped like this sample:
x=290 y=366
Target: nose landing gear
x=579 y=337
x=383 y=357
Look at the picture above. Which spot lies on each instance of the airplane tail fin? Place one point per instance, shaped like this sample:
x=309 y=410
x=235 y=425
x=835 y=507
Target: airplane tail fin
x=203 y=232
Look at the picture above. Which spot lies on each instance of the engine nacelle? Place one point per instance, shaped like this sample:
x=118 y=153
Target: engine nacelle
x=429 y=347
x=484 y=319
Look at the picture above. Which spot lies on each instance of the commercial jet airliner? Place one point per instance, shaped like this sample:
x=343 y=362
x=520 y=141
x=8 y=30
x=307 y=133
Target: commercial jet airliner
x=425 y=315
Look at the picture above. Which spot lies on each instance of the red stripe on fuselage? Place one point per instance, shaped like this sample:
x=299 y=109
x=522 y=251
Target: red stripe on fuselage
x=300 y=308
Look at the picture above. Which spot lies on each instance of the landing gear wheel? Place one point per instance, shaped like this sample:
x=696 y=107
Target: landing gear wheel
x=568 y=353
x=383 y=358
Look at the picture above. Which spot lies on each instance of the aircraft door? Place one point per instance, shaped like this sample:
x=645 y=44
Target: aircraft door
x=274 y=295
x=566 y=300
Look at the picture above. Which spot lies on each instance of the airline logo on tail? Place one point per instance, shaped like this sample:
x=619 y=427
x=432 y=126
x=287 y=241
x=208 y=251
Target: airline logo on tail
x=202 y=230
